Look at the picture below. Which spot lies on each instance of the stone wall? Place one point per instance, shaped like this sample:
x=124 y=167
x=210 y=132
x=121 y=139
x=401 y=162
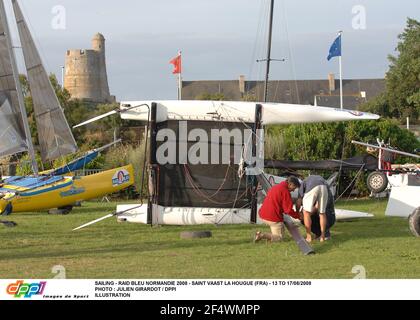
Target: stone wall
x=85 y=73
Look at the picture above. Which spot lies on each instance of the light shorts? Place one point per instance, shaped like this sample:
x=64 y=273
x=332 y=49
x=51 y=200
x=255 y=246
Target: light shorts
x=318 y=194
x=277 y=229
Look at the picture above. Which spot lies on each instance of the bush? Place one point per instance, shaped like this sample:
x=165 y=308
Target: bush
x=126 y=154
x=327 y=140
x=333 y=141
x=274 y=146
x=24 y=168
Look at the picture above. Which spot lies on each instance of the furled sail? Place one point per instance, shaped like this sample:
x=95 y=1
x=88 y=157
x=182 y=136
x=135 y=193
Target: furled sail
x=12 y=133
x=54 y=134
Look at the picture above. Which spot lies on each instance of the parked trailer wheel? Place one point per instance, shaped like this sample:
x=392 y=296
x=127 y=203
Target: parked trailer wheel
x=377 y=181
x=414 y=222
x=195 y=234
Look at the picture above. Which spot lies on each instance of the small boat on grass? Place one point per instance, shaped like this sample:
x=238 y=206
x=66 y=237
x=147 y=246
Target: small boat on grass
x=55 y=188
x=22 y=194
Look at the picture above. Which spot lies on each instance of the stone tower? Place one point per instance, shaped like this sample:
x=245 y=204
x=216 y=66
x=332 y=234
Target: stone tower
x=85 y=73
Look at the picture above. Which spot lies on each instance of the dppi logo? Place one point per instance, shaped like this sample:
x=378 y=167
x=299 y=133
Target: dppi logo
x=27 y=290
x=120 y=177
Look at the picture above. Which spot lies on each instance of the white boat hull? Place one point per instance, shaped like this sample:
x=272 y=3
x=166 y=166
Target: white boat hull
x=403 y=200
x=193 y=216
x=239 y=111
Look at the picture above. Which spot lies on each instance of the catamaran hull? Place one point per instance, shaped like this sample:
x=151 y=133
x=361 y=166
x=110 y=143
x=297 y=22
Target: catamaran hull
x=238 y=111
x=192 y=215
x=68 y=191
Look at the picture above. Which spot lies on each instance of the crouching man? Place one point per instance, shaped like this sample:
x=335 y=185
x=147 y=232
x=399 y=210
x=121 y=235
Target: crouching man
x=318 y=207
x=277 y=202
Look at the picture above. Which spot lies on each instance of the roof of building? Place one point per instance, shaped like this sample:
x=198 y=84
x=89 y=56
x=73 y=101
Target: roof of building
x=355 y=91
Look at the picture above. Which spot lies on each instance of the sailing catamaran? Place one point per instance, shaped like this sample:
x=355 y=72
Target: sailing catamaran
x=186 y=193
x=43 y=190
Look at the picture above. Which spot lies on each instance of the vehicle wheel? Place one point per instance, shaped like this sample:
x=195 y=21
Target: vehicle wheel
x=195 y=234
x=377 y=181
x=414 y=222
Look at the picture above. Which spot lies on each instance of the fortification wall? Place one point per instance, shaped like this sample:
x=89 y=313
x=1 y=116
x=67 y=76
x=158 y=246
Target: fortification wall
x=85 y=73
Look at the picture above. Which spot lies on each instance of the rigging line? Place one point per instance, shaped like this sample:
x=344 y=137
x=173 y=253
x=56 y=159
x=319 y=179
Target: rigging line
x=237 y=192
x=223 y=182
x=252 y=132
x=5 y=131
x=247 y=85
x=66 y=164
x=292 y=61
x=342 y=155
x=236 y=199
x=37 y=44
x=351 y=183
x=199 y=192
x=292 y=64
x=199 y=188
x=261 y=72
x=225 y=106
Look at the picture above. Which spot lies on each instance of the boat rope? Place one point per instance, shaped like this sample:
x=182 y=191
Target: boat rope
x=342 y=157
x=197 y=189
x=263 y=8
x=290 y=51
x=352 y=182
x=234 y=204
x=66 y=164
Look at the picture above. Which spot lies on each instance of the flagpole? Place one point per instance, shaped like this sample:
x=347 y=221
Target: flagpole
x=341 y=73
x=180 y=79
x=179 y=87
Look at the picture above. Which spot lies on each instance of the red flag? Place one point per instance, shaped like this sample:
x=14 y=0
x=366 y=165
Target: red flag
x=177 y=64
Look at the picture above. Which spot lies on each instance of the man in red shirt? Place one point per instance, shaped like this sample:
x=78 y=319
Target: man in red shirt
x=277 y=202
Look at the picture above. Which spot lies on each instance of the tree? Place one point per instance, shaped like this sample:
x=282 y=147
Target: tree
x=403 y=77
x=402 y=96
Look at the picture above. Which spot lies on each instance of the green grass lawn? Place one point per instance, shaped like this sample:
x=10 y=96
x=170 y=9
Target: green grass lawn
x=382 y=245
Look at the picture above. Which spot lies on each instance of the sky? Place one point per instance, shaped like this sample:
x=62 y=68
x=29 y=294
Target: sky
x=219 y=39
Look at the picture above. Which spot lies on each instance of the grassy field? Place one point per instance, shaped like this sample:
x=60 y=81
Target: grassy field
x=382 y=245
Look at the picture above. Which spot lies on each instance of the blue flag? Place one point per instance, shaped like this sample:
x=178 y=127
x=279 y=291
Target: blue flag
x=335 y=49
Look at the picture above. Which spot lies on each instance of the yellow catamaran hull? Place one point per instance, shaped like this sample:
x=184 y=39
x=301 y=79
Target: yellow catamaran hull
x=67 y=191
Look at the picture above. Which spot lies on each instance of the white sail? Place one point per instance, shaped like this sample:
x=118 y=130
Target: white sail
x=11 y=139
x=54 y=134
x=12 y=134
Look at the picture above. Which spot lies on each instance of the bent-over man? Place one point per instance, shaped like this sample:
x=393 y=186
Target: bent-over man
x=318 y=207
x=277 y=202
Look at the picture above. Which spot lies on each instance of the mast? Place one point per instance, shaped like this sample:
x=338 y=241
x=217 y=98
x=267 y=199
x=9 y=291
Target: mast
x=21 y=101
x=267 y=70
